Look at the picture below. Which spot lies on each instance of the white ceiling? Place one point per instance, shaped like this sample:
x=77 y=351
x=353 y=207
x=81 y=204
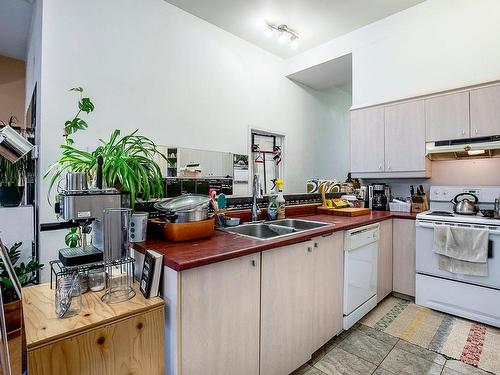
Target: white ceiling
x=316 y=21
x=337 y=72
x=15 y=18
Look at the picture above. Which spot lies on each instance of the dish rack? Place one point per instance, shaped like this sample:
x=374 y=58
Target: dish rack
x=58 y=270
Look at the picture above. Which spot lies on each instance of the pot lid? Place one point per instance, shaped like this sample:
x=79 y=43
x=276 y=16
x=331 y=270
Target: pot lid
x=183 y=202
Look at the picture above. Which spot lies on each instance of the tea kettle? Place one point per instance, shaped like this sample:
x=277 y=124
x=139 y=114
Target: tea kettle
x=465 y=206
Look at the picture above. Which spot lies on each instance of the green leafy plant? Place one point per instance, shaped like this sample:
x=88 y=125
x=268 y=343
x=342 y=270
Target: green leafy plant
x=11 y=174
x=25 y=273
x=75 y=124
x=129 y=164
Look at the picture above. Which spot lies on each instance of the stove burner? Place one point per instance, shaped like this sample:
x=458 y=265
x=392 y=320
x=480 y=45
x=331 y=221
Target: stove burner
x=441 y=213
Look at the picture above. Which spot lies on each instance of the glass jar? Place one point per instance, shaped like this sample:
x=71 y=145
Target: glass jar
x=97 y=279
x=68 y=296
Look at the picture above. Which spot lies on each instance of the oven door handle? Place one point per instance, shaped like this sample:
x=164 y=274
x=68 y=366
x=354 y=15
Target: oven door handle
x=431 y=225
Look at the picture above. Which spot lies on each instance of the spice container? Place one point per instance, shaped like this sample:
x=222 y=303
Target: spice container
x=97 y=279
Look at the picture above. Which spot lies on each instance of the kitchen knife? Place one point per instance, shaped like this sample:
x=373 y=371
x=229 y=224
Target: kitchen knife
x=421 y=190
x=412 y=190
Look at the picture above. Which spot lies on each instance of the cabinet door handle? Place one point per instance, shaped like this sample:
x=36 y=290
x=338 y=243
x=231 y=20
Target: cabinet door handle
x=475 y=131
x=309 y=249
x=253 y=263
x=380 y=167
x=389 y=166
x=315 y=244
x=463 y=132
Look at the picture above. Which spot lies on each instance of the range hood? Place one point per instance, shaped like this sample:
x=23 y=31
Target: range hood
x=482 y=147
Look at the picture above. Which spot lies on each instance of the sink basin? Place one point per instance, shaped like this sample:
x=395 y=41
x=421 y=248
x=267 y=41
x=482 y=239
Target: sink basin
x=299 y=224
x=262 y=231
x=274 y=229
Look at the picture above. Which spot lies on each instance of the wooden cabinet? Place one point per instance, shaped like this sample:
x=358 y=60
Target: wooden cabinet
x=384 y=261
x=404 y=237
x=327 y=287
x=447 y=117
x=286 y=308
x=120 y=338
x=220 y=317
x=405 y=137
x=367 y=140
x=389 y=141
x=485 y=111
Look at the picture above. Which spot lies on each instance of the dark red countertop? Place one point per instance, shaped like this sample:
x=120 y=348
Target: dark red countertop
x=224 y=245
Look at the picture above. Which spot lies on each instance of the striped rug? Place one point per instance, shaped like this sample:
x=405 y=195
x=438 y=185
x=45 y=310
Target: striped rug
x=470 y=342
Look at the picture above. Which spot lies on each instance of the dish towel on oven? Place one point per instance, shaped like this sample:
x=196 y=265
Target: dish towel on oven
x=461 y=250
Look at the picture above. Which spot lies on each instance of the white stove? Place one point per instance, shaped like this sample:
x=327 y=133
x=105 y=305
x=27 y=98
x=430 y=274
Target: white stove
x=472 y=297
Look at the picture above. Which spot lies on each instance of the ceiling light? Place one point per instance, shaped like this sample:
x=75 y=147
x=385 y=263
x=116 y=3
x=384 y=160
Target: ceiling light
x=476 y=152
x=286 y=34
x=269 y=32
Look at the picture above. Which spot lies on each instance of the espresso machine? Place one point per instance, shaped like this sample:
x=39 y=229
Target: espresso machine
x=86 y=207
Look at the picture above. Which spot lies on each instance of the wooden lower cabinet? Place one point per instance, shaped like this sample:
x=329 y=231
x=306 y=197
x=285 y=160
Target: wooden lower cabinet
x=103 y=339
x=132 y=346
x=220 y=318
x=384 y=261
x=328 y=281
x=404 y=247
x=286 y=308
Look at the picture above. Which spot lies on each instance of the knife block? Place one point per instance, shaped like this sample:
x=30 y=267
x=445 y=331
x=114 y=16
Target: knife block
x=420 y=206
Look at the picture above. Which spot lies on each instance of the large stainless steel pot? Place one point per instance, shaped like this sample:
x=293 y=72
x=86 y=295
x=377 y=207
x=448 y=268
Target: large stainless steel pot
x=186 y=216
x=465 y=206
x=186 y=208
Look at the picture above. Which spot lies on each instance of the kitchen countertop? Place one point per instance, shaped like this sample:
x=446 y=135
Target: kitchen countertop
x=224 y=245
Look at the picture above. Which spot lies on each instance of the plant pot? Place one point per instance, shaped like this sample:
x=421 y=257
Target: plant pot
x=12 y=311
x=11 y=196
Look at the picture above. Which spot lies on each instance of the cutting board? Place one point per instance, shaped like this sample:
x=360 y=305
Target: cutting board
x=349 y=211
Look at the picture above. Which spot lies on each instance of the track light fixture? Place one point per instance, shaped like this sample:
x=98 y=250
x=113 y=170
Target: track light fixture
x=285 y=33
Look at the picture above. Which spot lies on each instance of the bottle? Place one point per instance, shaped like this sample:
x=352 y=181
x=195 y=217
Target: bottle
x=280 y=199
x=272 y=208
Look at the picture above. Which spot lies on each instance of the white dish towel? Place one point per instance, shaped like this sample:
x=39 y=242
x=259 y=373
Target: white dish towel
x=462 y=250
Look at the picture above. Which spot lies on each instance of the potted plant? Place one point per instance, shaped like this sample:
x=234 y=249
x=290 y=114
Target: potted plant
x=11 y=176
x=26 y=275
x=129 y=164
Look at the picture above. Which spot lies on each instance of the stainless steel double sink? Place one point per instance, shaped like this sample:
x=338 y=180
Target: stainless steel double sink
x=274 y=229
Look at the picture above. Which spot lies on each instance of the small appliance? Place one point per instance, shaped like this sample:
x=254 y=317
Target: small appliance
x=86 y=208
x=379 y=198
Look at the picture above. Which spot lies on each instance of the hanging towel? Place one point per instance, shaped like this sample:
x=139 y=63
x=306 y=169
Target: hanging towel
x=461 y=250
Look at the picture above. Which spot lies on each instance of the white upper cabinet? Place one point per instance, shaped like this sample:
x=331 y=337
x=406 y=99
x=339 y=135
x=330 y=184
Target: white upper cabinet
x=405 y=137
x=447 y=117
x=485 y=111
x=367 y=140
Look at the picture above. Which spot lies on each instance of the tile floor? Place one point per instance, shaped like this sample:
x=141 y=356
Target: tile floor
x=363 y=351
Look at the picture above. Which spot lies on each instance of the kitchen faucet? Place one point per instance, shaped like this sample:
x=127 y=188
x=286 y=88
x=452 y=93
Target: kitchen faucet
x=255 y=194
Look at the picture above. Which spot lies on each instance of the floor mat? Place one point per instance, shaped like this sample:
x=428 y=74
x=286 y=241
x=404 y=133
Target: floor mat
x=470 y=342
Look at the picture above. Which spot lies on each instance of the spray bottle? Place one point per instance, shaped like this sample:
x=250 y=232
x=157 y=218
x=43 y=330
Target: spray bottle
x=280 y=199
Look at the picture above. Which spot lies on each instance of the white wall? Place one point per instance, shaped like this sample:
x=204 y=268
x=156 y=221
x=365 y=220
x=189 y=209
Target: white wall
x=180 y=80
x=433 y=46
x=331 y=146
